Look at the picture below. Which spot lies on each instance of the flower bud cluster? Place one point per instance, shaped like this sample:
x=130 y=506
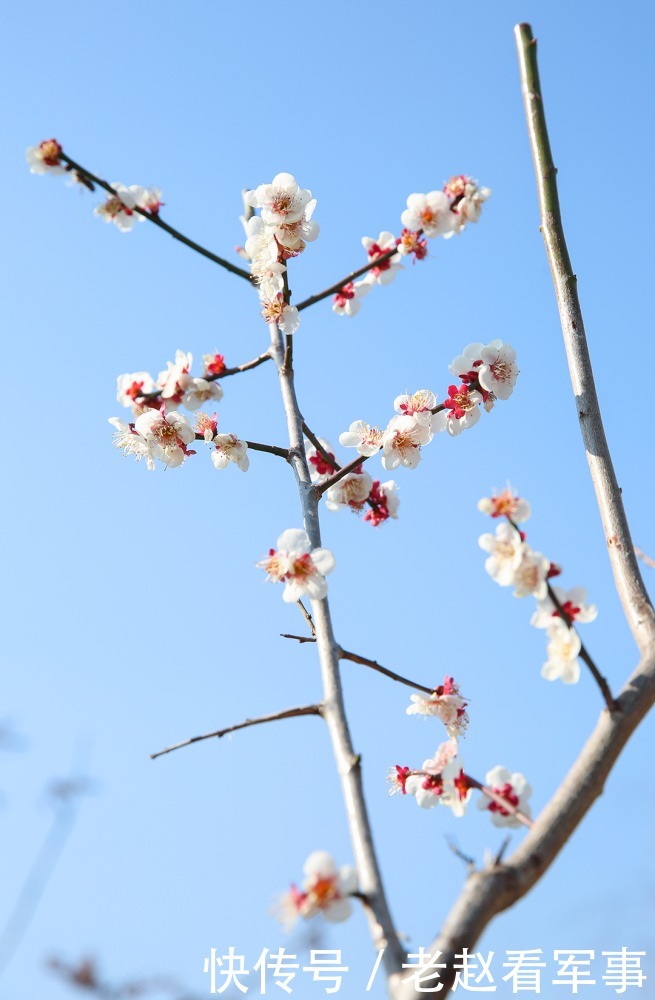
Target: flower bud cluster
x=513 y=563
x=438 y=213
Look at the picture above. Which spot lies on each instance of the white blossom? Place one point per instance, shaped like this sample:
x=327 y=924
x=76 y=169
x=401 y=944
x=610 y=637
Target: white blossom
x=325 y=890
x=44 y=158
x=384 y=273
x=429 y=212
x=421 y=401
x=300 y=567
x=498 y=371
x=351 y=491
x=505 y=550
x=119 y=208
x=470 y=200
x=360 y=435
x=572 y=602
x=563 y=651
x=347 y=302
x=512 y=787
x=281 y=202
x=505 y=504
x=131 y=387
x=131 y=442
x=531 y=574
x=402 y=440
x=229 y=448
x=446 y=704
x=176 y=381
x=319 y=469
x=167 y=434
x=200 y=391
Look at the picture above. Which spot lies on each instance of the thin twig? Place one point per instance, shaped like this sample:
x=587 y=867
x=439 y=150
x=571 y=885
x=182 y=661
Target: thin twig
x=457 y=851
x=375 y=262
x=501 y=851
x=644 y=558
x=321 y=488
x=298 y=638
x=157 y=221
x=308 y=618
x=289 y=713
x=325 y=455
x=272 y=449
x=636 y=603
x=374 y=665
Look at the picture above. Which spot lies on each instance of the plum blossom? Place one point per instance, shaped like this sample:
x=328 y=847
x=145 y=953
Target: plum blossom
x=384 y=273
x=430 y=212
x=351 y=491
x=563 y=651
x=360 y=435
x=505 y=504
x=442 y=781
x=384 y=503
x=514 y=788
x=278 y=311
x=397 y=777
x=301 y=568
x=409 y=243
x=214 y=364
x=263 y=253
x=200 y=391
x=465 y=365
x=505 y=550
x=131 y=442
x=325 y=890
x=498 y=371
x=228 y=448
x=167 y=435
x=45 y=158
x=402 y=440
x=175 y=382
x=468 y=200
x=120 y=207
x=131 y=387
x=446 y=703
x=347 y=300
x=150 y=200
x=573 y=605
x=421 y=401
x=531 y=574
x=462 y=408
x=319 y=469
x=281 y=202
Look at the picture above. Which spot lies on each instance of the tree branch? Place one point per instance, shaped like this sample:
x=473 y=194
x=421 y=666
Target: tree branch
x=636 y=603
x=375 y=262
x=374 y=665
x=322 y=488
x=155 y=219
x=348 y=762
x=288 y=713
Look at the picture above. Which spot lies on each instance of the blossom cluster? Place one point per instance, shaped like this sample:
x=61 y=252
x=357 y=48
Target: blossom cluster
x=124 y=206
x=513 y=563
x=356 y=491
x=437 y=213
x=282 y=230
x=159 y=431
x=326 y=890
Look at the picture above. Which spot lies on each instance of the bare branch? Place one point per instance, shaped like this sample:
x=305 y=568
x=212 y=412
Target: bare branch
x=298 y=638
x=272 y=449
x=157 y=221
x=636 y=603
x=288 y=713
x=644 y=558
x=321 y=488
x=308 y=618
x=374 y=665
x=348 y=762
x=332 y=289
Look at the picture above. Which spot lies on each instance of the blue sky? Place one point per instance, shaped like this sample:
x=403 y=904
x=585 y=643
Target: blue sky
x=135 y=615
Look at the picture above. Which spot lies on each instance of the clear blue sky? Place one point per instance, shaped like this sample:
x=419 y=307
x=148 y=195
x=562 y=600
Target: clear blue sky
x=134 y=614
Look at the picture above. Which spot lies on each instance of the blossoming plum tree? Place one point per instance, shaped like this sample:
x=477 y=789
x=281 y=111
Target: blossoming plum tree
x=279 y=224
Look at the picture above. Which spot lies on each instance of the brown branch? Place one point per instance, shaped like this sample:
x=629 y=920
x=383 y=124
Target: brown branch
x=289 y=713
x=298 y=638
x=374 y=665
x=308 y=618
x=271 y=449
x=157 y=221
x=375 y=262
x=321 y=488
x=636 y=603
x=325 y=455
